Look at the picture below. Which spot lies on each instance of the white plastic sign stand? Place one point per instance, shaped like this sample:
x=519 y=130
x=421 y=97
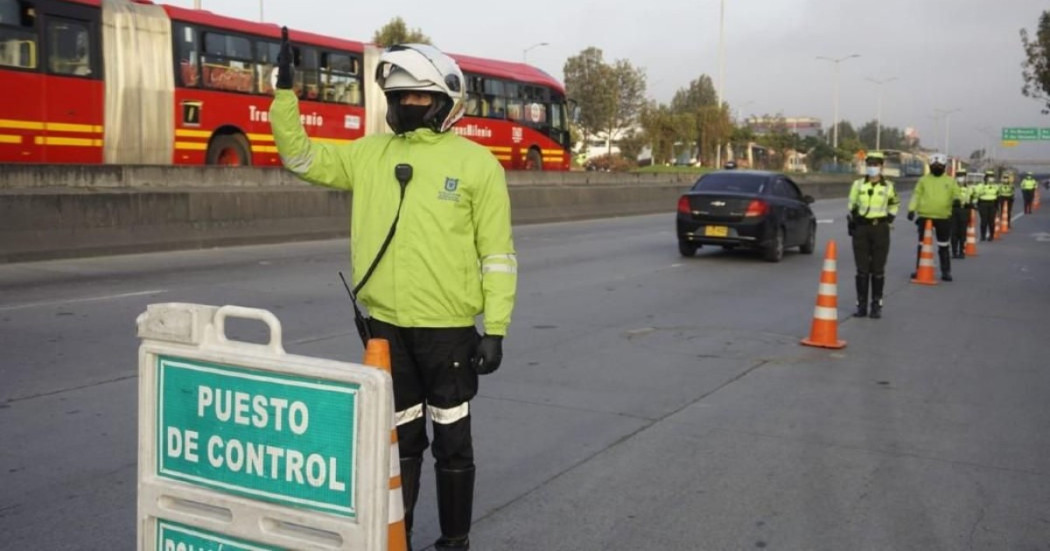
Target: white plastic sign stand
x=243 y=446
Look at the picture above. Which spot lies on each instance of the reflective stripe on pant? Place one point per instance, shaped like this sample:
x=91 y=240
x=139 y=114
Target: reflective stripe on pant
x=433 y=374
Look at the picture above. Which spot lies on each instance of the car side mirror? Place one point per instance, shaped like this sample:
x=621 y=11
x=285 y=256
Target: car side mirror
x=808 y=199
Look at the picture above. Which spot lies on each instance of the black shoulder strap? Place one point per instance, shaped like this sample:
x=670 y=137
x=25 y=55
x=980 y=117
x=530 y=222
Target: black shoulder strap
x=382 y=249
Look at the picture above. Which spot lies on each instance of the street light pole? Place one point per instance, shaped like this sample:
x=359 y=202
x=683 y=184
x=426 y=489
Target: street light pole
x=947 y=126
x=525 y=52
x=721 y=71
x=835 y=116
x=878 y=115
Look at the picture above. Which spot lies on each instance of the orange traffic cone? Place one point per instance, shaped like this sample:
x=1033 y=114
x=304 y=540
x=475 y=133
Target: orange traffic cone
x=825 y=328
x=1004 y=221
x=377 y=354
x=926 y=274
x=971 y=235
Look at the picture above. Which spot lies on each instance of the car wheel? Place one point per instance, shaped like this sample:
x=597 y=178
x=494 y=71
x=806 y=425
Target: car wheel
x=687 y=249
x=811 y=241
x=775 y=251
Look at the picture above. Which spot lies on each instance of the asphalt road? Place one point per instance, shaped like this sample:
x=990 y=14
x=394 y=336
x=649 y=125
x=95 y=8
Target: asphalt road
x=647 y=402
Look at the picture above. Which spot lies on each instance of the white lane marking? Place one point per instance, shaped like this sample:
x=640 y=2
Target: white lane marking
x=676 y=265
x=826 y=221
x=75 y=300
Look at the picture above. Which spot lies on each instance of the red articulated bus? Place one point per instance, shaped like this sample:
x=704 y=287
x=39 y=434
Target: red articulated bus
x=132 y=82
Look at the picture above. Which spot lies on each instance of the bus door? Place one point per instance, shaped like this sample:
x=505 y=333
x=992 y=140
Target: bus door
x=22 y=111
x=72 y=61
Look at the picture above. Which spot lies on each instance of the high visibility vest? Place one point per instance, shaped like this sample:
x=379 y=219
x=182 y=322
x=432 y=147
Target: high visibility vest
x=1029 y=184
x=1006 y=190
x=873 y=199
x=966 y=193
x=987 y=192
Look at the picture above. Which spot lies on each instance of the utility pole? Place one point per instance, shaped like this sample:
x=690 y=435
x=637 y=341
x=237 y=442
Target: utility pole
x=835 y=116
x=947 y=127
x=721 y=73
x=878 y=115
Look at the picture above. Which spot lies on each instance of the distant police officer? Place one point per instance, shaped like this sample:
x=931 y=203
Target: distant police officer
x=1006 y=197
x=933 y=199
x=1028 y=186
x=961 y=215
x=873 y=205
x=987 y=201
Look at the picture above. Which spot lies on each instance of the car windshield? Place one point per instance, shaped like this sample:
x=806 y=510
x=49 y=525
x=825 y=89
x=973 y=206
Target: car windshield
x=735 y=182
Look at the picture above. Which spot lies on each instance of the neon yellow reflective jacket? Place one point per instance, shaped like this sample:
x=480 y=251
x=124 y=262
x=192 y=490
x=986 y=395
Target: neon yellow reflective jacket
x=1028 y=184
x=933 y=196
x=452 y=257
x=988 y=191
x=873 y=199
x=1006 y=189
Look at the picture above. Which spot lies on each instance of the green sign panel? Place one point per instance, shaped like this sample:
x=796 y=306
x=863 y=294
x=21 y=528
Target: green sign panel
x=172 y=536
x=1025 y=134
x=267 y=436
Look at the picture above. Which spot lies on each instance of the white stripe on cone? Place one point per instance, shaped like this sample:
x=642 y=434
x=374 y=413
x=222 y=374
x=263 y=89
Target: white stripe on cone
x=827 y=289
x=825 y=313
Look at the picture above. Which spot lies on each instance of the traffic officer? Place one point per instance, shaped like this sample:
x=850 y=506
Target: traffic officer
x=873 y=204
x=1006 y=197
x=987 y=201
x=961 y=215
x=1028 y=186
x=452 y=258
x=935 y=195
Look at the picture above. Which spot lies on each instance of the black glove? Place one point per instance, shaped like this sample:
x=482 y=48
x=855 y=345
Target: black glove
x=855 y=212
x=890 y=218
x=911 y=216
x=489 y=354
x=285 y=59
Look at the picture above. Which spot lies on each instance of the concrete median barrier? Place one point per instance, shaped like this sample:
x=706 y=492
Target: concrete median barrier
x=52 y=211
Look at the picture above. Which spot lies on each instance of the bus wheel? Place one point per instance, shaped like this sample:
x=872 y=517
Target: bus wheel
x=229 y=150
x=533 y=161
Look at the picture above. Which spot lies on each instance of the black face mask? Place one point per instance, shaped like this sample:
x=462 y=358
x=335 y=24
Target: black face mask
x=937 y=170
x=411 y=117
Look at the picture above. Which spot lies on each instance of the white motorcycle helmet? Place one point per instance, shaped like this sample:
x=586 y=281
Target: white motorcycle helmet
x=422 y=68
x=939 y=159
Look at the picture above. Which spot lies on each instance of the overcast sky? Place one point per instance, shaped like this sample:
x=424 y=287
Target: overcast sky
x=947 y=54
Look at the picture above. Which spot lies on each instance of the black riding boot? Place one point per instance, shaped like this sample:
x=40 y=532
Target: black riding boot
x=946 y=263
x=862 y=296
x=877 y=284
x=918 y=255
x=455 y=493
x=410 y=472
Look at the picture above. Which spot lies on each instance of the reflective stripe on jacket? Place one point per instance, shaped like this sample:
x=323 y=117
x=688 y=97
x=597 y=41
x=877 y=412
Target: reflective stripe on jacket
x=452 y=257
x=873 y=199
x=933 y=196
x=987 y=192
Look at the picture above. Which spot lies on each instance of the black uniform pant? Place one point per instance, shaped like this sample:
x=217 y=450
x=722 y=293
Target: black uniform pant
x=1009 y=211
x=1029 y=196
x=960 y=221
x=871 y=246
x=987 y=212
x=433 y=374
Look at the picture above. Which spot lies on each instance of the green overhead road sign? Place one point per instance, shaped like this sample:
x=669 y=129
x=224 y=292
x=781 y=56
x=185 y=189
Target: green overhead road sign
x=1025 y=134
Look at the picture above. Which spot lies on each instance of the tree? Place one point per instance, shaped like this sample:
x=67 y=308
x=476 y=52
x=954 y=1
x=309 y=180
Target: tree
x=397 y=32
x=711 y=125
x=663 y=129
x=891 y=137
x=1036 y=66
x=587 y=80
x=628 y=82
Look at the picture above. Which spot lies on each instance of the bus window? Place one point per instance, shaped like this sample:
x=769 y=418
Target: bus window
x=69 y=47
x=226 y=62
x=474 y=104
x=307 y=84
x=266 y=58
x=558 y=116
x=18 y=44
x=342 y=83
x=494 y=99
x=188 y=71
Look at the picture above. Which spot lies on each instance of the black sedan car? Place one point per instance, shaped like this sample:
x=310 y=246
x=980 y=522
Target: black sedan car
x=761 y=210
